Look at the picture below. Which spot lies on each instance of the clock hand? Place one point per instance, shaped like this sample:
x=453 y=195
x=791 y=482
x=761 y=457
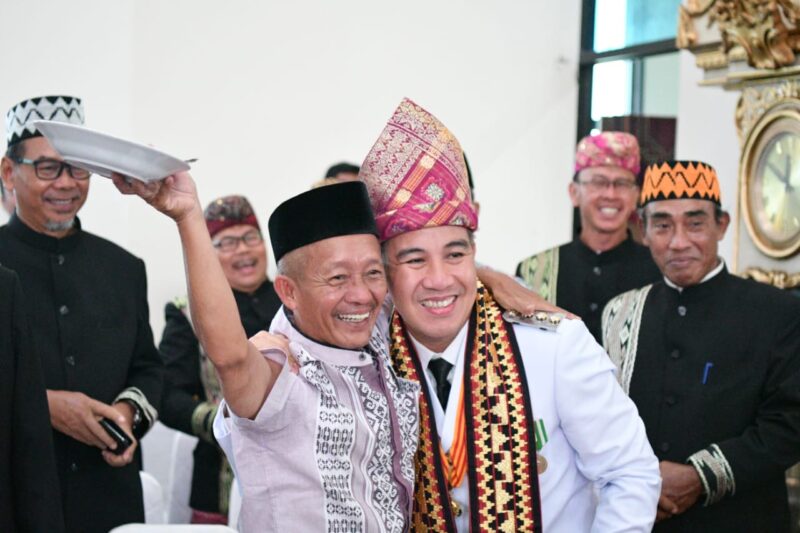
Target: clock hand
x=778 y=174
x=787 y=169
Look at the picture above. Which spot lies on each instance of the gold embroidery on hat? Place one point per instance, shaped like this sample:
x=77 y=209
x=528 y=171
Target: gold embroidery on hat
x=434 y=192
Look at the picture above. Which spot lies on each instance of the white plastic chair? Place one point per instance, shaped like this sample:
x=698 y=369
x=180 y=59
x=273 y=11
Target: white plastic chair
x=167 y=454
x=153 y=496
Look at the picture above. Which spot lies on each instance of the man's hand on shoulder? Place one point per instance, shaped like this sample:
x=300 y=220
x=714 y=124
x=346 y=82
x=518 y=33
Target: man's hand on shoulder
x=268 y=344
x=77 y=415
x=514 y=296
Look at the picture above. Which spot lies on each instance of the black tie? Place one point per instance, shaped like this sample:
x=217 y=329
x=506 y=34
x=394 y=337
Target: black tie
x=440 y=369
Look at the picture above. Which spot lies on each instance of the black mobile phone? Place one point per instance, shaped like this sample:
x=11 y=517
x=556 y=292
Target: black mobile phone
x=120 y=437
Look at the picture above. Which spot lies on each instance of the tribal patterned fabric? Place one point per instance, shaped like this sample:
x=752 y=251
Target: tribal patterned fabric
x=416 y=175
x=20 y=118
x=540 y=273
x=668 y=180
x=504 y=486
x=335 y=436
x=335 y=439
x=715 y=473
x=622 y=319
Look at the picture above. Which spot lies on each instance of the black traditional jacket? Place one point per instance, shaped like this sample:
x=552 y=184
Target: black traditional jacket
x=86 y=301
x=29 y=492
x=582 y=281
x=714 y=370
x=191 y=390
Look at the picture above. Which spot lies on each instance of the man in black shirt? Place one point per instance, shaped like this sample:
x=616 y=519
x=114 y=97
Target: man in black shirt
x=86 y=300
x=603 y=261
x=29 y=495
x=712 y=362
x=191 y=388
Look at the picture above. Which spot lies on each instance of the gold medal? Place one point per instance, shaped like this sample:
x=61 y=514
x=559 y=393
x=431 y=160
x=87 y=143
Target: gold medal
x=454 y=507
x=541 y=463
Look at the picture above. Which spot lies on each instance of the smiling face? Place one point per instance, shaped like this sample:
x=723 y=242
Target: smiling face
x=335 y=288
x=683 y=236
x=433 y=279
x=47 y=207
x=604 y=209
x=245 y=266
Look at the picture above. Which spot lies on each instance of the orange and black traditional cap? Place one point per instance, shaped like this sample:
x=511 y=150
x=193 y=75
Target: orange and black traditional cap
x=676 y=180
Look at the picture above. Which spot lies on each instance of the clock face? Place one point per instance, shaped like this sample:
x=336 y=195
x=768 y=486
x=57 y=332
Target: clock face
x=771 y=192
x=776 y=189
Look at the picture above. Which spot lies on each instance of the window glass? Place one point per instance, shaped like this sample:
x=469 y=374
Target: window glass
x=622 y=23
x=611 y=89
x=660 y=87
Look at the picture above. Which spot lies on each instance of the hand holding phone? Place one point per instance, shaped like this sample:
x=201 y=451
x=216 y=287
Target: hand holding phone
x=115 y=432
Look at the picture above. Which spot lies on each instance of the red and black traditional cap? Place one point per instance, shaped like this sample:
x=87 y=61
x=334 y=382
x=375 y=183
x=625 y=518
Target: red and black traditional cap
x=323 y=213
x=676 y=180
x=229 y=211
x=20 y=118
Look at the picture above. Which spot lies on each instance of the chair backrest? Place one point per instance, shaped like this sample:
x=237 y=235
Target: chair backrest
x=153 y=494
x=168 y=456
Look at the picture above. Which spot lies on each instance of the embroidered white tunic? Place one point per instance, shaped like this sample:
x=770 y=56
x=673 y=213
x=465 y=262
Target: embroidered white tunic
x=332 y=448
x=602 y=474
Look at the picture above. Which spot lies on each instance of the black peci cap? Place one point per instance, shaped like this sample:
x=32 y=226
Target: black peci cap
x=319 y=214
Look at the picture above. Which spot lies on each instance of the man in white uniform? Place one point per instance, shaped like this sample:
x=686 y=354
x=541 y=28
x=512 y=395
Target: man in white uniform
x=328 y=446
x=517 y=424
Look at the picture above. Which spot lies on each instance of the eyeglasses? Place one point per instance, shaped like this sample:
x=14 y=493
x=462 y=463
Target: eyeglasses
x=51 y=169
x=229 y=244
x=597 y=184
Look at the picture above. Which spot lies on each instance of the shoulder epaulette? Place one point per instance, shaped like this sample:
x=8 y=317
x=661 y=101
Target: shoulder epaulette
x=540 y=319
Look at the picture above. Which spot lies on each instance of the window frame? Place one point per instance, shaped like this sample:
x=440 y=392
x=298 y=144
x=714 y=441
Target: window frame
x=589 y=58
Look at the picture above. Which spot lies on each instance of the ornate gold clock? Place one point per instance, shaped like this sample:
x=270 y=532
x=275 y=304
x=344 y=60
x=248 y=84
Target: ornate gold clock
x=770 y=180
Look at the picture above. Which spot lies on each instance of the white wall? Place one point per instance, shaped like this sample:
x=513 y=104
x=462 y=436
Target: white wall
x=707 y=132
x=268 y=94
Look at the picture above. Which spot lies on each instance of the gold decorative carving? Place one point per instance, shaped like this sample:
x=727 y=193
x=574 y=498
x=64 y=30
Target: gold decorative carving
x=693 y=9
x=756 y=101
x=776 y=278
x=765 y=33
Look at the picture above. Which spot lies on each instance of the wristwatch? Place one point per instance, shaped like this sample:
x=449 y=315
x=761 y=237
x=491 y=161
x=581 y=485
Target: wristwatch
x=137 y=414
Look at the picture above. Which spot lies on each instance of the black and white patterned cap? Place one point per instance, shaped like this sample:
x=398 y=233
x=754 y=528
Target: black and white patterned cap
x=19 y=119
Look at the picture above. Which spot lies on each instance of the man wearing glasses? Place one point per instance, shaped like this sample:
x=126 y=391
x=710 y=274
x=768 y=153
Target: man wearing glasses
x=192 y=391
x=604 y=260
x=86 y=301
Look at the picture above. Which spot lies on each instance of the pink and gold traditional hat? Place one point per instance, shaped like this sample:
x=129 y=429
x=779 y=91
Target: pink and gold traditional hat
x=416 y=175
x=609 y=148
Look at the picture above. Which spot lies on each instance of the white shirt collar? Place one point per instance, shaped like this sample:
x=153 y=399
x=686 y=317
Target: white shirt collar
x=707 y=277
x=450 y=354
